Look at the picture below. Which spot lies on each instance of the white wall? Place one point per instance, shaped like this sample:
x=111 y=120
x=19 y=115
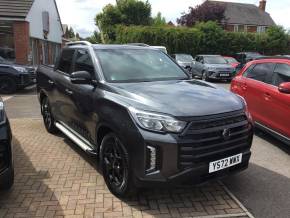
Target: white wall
x=34 y=17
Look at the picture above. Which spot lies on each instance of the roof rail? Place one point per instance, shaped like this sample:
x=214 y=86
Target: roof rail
x=78 y=43
x=273 y=57
x=138 y=44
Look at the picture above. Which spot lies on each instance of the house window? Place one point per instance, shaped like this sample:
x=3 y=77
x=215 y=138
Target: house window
x=7 y=41
x=261 y=29
x=236 y=28
x=239 y=28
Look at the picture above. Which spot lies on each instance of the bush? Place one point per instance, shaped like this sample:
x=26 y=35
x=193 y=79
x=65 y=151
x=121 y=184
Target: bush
x=206 y=38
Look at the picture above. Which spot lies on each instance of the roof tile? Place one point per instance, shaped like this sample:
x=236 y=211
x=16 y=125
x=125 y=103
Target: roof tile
x=15 y=8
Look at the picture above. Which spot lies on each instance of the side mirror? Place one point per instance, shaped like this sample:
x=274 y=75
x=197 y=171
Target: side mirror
x=81 y=77
x=284 y=88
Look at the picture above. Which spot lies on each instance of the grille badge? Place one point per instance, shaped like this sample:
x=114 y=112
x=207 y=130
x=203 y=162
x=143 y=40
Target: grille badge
x=226 y=134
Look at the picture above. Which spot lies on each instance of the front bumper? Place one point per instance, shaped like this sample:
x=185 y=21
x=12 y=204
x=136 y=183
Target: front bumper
x=175 y=165
x=27 y=79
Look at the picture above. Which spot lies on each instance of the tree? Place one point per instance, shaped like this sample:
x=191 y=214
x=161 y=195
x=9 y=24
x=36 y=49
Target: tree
x=159 y=20
x=71 y=33
x=208 y=11
x=95 y=38
x=277 y=40
x=134 y=12
x=125 y=12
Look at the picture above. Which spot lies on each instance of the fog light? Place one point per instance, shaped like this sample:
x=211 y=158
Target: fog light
x=150 y=159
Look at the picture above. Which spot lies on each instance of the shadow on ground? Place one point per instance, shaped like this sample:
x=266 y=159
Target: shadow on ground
x=203 y=200
x=272 y=140
x=264 y=192
x=29 y=194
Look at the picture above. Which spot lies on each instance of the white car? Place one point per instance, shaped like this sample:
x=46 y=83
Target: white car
x=161 y=48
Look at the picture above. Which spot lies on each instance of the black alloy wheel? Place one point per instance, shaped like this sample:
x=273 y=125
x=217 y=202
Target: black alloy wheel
x=47 y=116
x=7 y=85
x=115 y=166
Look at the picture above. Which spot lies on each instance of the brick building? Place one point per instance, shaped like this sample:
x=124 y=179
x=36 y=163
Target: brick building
x=30 y=31
x=240 y=17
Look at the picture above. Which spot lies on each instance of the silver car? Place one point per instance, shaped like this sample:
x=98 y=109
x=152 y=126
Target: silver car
x=212 y=67
x=185 y=61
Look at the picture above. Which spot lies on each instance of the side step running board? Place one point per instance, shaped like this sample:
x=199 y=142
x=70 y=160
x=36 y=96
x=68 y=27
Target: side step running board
x=76 y=138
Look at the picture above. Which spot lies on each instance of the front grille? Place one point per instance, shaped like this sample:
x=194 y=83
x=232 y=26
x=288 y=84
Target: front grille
x=205 y=139
x=32 y=74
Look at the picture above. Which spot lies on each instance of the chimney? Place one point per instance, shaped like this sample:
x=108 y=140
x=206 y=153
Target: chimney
x=262 y=5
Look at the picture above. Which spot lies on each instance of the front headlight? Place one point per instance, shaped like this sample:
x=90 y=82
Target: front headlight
x=211 y=69
x=157 y=122
x=246 y=109
x=20 y=69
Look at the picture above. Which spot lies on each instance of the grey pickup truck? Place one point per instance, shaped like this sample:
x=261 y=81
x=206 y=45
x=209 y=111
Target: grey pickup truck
x=142 y=116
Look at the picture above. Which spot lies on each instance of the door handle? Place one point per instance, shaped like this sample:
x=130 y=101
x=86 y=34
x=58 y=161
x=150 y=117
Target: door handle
x=68 y=91
x=267 y=96
x=50 y=82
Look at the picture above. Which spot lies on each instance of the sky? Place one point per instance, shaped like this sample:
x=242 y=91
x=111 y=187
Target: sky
x=80 y=14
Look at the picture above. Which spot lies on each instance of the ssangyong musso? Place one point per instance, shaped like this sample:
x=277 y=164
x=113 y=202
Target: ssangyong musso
x=143 y=117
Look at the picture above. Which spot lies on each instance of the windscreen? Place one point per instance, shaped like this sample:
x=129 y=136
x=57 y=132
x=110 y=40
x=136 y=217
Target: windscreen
x=214 y=60
x=184 y=58
x=138 y=65
x=231 y=60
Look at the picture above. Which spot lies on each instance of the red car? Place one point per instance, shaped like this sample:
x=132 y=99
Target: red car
x=265 y=85
x=232 y=61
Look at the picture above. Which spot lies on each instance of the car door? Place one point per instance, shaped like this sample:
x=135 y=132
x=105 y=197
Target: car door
x=257 y=85
x=61 y=107
x=239 y=84
x=277 y=104
x=84 y=118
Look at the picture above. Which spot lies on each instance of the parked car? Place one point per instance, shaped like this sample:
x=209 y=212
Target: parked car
x=143 y=117
x=265 y=84
x=209 y=67
x=161 y=48
x=232 y=61
x=185 y=61
x=245 y=57
x=7 y=53
x=14 y=76
x=6 y=160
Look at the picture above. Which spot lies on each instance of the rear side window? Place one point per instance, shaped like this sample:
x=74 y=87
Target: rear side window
x=249 y=70
x=83 y=62
x=65 y=61
x=262 y=72
x=281 y=74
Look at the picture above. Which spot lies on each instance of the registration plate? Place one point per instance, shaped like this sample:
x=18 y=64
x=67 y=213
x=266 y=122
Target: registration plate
x=225 y=163
x=224 y=74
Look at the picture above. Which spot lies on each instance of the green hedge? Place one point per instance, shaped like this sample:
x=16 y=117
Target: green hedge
x=206 y=38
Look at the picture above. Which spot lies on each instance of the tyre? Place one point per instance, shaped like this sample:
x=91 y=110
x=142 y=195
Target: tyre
x=47 y=116
x=204 y=76
x=8 y=180
x=116 y=167
x=7 y=85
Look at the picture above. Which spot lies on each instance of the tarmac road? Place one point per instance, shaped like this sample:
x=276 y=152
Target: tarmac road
x=264 y=189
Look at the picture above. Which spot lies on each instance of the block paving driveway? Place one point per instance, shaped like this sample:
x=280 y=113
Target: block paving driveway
x=54 y=178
